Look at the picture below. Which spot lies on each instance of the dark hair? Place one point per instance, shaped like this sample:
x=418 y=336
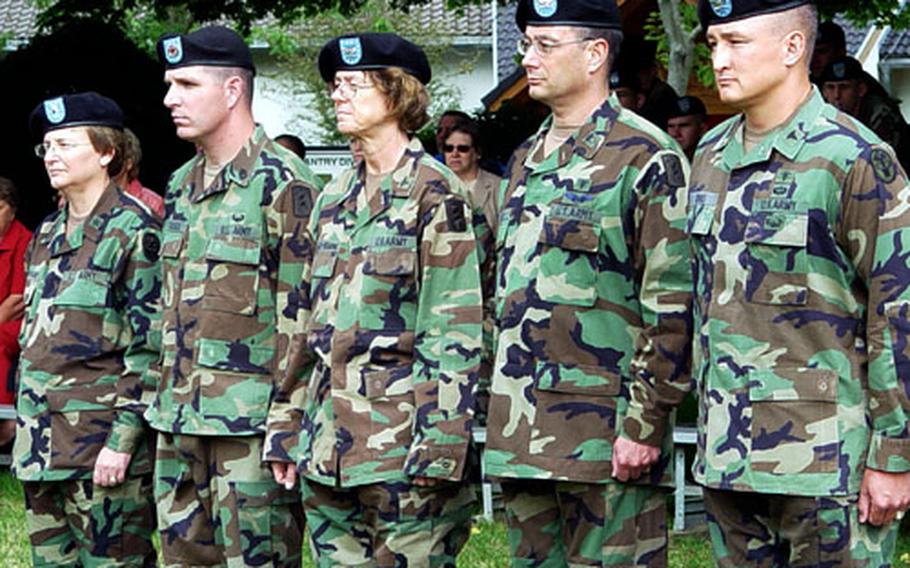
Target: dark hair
x=131 y=150
x=614 y=41
x=460 y=115
x=293 y=143
x=830 y=32
x=9 y=193
x=407 y=97
x=105 y=139
x=470 y=128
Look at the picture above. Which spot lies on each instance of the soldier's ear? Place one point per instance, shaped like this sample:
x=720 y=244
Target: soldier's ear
x=794 y=47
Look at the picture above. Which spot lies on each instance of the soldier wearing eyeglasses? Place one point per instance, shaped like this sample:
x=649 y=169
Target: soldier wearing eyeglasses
x=593 y=291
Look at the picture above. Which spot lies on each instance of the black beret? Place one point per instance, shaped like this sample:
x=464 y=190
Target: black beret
x=80 y=109
x=373 y=51
x=213 y=46
x=620 y=78
x=830 y=33
x=712 y=12
x=843 y=69
x=579 y=13
x=686 y=106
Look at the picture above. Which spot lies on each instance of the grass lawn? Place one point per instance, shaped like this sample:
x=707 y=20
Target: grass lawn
x=487 y=547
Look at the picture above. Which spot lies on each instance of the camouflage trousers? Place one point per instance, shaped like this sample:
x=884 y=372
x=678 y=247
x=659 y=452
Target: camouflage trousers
x=218 y=504
x=393 y=524
x=761 y=530
x=555 y=524
x=76 y=523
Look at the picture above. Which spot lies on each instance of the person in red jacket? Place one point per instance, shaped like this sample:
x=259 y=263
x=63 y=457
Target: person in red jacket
x=14 y=238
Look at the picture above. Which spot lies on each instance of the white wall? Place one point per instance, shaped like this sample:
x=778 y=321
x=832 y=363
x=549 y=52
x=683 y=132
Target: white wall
x=281 y=107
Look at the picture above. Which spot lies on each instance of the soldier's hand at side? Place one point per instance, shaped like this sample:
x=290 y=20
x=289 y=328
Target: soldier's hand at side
x=12 y=308
x=110 y=467
x=631 y=460
x=285 y=474
x=882 y=496
x=7 y=431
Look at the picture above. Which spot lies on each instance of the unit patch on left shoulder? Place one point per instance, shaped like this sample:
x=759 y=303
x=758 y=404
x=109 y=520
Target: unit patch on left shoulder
x=455 y=215
x=883 y=165
x=151 y=246
x=675 y=175
x=303 y=201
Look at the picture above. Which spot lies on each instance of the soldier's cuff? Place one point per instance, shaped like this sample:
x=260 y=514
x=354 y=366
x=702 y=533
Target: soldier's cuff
x=890 y=455
x=648 y=430
x=126 y=432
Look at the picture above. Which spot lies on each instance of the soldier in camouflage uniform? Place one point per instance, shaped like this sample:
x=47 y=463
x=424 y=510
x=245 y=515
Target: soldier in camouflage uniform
x=799 y=221
x=844 y=85
x=592 y=298
x=233 y=254
x=382 y=442
x=88 y=338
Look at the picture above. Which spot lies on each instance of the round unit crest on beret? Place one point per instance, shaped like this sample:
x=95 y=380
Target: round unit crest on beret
x=578 y=13
x=80 y=109
x=212 y=46
x=843 y=69
x=686 y=106
x=712 y=12
x=362 y=52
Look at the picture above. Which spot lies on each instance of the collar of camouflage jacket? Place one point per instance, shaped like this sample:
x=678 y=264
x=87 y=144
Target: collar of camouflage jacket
x=90 y=229
x=585 y=142
x=237 y=172
x=399 y=183
x=787 y=140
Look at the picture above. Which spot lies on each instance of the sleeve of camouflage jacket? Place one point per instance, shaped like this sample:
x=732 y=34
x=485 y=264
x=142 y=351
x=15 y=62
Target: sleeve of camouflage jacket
x=138 y=298
x=294 y=363
x=875 y=233
x=660 y=366
x=448 y=342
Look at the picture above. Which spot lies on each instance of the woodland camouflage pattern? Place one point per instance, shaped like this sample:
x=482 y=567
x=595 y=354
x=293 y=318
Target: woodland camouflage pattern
x=396 y=332
x=88 y=338
x=884 y=117
x=592 y=300
x=233 y=256
x=801 y=309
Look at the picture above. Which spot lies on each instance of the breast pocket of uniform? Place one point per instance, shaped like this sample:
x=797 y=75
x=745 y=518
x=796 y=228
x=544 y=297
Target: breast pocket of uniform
x=568 y=269
x=388 y=295
x=81 y=418
x=794 y=421
x=233 y=275
x=81 y=304
x=778 y=257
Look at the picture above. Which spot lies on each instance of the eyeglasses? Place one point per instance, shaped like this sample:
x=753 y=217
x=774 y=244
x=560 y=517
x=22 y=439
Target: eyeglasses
x=543 y=47
x=61 y=147
x=349 y=89
x=461 y=148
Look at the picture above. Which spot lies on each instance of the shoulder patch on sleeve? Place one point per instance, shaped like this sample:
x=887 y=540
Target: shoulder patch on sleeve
x=303 y=200
x=675 y=174
x=883 y=165
x=455 y=216
x=151 y=246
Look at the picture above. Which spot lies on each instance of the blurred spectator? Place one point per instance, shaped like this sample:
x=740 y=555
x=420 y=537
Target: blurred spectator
x=627 y=89
x=356 y=151
x=14 y=238
x=462 y=153
x=293 y=143
x=686 y=123
x=659 y=97
x=448 y=119
x=830 y=44
x=844 y=86
x=128 y=178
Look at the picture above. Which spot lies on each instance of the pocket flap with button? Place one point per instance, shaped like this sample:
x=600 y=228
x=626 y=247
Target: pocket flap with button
x=235 y=356
x=793 y=384
x=578 y=379
x=392 y=262
x=778 y=228
x=384 y=383
x=240 y=251
x=84 y=288
x=82 y=398
x=325 y=259
x=571 y=234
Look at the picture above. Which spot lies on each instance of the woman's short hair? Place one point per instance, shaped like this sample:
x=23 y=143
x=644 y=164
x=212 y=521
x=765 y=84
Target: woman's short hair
x=408 y=97
x=131 y=151
x=105 y=139
x=9 y=193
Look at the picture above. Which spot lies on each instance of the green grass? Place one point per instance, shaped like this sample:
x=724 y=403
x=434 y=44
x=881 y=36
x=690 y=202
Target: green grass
x=487 y=548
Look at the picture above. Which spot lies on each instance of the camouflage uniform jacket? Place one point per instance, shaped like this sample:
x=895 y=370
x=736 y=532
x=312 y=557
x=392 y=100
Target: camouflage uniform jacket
x=395 y=328
x=801 y=307
x=884 y=117
x=233 y=256
x=89 y=336
x=592 y=296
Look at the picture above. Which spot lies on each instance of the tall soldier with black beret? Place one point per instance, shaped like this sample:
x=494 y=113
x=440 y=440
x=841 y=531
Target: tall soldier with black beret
x=89 y=337
x=234 y=252
x=800 y=227
x=377 y=410
x=592 y=298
